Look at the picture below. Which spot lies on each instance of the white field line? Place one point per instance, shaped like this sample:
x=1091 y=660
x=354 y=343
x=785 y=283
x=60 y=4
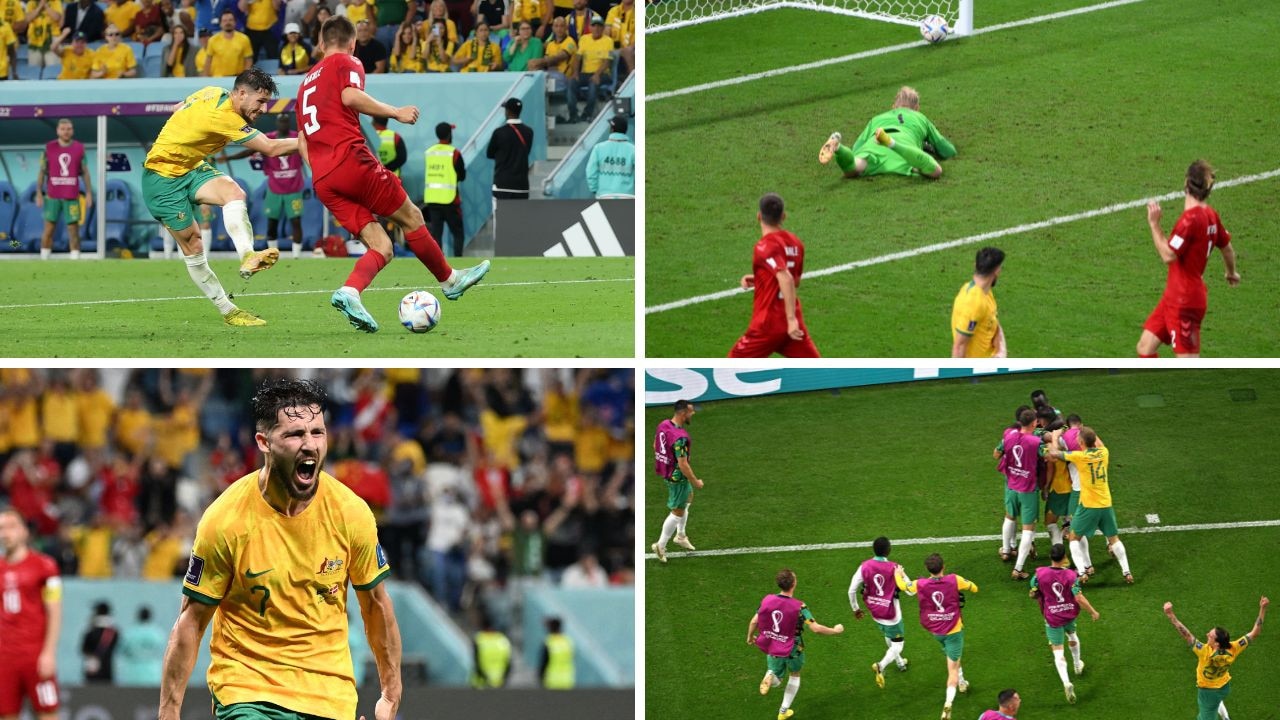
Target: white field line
x=295 y=292
x=957 y=539
x=873 y=53
x=969 y=240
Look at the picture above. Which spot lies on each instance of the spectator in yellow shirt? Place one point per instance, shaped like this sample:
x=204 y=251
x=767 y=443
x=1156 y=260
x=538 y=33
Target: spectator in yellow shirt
x=11 y=12
x=406 y=54
x=260 y=26
x=9 y=54
x=479 y=54
x=357 y=10
x=95 y=408
x=121 y=13
x=114 y=60
x=437 y=48
x=180 y=54
x=43 y=19
x=295 y=56
x=557 y=61
x=535 y=12
x=229 y=53
x=77 y=60
x=438 y=10
x=621 y=23
x=592 y=66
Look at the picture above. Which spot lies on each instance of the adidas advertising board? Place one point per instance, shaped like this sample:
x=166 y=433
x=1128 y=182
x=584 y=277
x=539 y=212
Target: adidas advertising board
x=566 y=228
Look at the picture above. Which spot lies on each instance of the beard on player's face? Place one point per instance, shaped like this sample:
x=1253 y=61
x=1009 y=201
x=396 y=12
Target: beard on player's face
x=297 y=472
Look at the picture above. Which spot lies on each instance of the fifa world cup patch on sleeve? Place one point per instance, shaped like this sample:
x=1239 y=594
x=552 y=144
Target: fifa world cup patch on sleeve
x=973 y=324
x=246 y=129
x=195 y=569
x=382 y=557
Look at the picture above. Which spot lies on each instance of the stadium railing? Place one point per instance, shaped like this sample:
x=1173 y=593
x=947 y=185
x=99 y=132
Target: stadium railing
x=569 y=178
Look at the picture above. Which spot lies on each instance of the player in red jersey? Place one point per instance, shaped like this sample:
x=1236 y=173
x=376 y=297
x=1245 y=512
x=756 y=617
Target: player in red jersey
x=1176 y=319
x=30 y=617
x=776 y=323
x=352 y=183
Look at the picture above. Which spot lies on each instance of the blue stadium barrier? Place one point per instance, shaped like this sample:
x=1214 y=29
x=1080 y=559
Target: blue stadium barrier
x=601 y=623
x=312 y=217
x=8 y=211
x=119 y=211
x=27 y=72
x=427 y=632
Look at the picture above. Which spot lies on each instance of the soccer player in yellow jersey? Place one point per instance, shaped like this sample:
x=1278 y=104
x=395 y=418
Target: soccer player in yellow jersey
x=975 y=327
x=270 y=566
x=940 y=613
x=1095 y=511
x=1214 y=657
x=177 y=177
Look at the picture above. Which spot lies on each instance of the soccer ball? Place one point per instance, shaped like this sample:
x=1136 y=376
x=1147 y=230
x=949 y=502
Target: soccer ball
x=934 y=29
x=419 y=311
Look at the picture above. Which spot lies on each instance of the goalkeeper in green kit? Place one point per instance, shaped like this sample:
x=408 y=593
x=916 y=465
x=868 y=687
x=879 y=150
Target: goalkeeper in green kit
x=893 y=143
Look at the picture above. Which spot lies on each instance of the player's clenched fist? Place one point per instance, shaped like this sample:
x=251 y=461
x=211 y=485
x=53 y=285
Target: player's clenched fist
x=407 y=114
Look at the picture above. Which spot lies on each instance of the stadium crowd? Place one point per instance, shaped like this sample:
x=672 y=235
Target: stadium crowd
x=576 y=41
x=481 y=480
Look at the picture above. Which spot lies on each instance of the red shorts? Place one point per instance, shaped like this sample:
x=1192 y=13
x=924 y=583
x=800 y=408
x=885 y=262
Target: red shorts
x=1178 y=327
x=763 y=343
x=360 y=189
x=18 y=679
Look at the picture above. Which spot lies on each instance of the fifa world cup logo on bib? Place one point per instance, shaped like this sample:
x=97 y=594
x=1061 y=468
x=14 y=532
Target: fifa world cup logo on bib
x=64 y=163
x=879 y=581
x=777 y=620
x=937 y=598
x=1017 y=455
x=662 y=443
x=1057 y=590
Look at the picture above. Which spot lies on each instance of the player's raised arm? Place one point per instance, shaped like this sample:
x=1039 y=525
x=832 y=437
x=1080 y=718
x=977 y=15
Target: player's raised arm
x=1182 y=629
x=180 y=655
x=271 y=147
x=364 y=103
x=383 y=633
x=1257 y=624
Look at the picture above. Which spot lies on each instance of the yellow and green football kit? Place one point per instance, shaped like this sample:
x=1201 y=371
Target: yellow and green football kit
x=1094 y=511
x=280 y=583
x=176 y=168
x=973 y=314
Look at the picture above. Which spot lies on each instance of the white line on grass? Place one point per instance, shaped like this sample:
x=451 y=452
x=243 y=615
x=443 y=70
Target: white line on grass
x=958 y=539
x=296 y=292
x=872 y=53
x=970 y=240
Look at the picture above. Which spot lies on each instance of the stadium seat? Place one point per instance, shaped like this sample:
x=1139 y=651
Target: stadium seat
x=29 y=223
x=269 y=66
x=119 y=205
x=155 y=48
x=8 y=211
x=312 y=218
x=138 y=50
x=27 y=72
x=258 y=215
x=153 y=65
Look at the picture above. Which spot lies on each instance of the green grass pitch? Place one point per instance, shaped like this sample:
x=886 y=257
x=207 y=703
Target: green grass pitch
x=525 y=307
x=913 y=461
x=1050 y=119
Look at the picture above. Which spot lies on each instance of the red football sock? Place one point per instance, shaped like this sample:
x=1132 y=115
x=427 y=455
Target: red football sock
x=428 y=251
x=1152 y=355
x=366 y=267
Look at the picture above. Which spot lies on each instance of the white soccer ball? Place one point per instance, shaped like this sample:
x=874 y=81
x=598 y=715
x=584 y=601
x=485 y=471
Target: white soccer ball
x=419 y=311
x=934 y=29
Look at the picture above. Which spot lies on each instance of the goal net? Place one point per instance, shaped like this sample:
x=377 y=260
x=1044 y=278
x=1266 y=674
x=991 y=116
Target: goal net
x=671 y=14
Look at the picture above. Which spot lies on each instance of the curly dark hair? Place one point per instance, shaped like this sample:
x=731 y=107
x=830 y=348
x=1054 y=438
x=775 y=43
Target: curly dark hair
x=255 y=78
x=281 y=394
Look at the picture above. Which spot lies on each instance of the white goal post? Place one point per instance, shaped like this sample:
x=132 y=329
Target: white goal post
x=671 y=14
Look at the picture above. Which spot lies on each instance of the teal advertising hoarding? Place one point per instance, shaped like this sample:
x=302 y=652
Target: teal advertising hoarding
x=663 y=386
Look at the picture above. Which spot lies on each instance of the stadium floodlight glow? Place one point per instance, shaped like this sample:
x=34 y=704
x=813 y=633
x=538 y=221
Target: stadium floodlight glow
x=672 y=14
